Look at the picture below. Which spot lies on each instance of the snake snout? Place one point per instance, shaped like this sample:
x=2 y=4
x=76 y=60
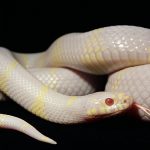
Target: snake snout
x=124 y=102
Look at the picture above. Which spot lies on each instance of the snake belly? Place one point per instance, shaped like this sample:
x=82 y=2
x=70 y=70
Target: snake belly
x=101 y=51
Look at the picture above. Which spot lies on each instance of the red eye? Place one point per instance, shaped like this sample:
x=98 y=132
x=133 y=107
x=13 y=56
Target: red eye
x=109 y=101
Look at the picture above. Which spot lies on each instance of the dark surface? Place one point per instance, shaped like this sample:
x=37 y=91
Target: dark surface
x=32 y=27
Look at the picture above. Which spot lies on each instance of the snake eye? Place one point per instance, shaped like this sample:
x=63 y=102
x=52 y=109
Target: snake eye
x=109 y=101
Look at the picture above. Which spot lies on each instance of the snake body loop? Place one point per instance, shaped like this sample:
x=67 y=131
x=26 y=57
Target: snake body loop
x=123 y=52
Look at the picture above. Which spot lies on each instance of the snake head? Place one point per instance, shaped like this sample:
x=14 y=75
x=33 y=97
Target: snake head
x=105 y=104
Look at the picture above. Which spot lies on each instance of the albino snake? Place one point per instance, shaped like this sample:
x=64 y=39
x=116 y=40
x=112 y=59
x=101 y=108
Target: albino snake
x=123 y=52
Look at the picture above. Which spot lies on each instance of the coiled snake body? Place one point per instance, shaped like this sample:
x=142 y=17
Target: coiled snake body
x=123 y=52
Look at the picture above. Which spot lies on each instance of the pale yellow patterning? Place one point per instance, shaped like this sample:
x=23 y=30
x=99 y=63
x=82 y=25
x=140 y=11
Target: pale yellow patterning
x=6 y=75
x=71 y=100
x=39 y=103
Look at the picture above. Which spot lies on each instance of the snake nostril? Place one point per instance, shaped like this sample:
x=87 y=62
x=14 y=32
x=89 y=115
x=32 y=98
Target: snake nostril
x=125 y=101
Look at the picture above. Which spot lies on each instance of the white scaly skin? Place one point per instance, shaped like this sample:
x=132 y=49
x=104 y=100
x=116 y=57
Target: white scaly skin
x=11 y=122
x=101 y=51
x=30 y=93
x=76 y=82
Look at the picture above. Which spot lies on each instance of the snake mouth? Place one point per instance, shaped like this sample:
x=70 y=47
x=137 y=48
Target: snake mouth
x=115 y=113
x=124 y=108
x=94 y=118
x=110 y=114
x=118 y=110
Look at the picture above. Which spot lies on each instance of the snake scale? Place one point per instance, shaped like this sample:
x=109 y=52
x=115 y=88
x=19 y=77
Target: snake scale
x=57 y=84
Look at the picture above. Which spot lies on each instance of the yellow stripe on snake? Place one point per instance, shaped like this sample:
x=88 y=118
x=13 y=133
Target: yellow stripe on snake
x=57 y=84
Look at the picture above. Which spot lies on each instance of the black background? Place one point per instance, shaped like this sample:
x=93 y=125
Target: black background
x=32 y=27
